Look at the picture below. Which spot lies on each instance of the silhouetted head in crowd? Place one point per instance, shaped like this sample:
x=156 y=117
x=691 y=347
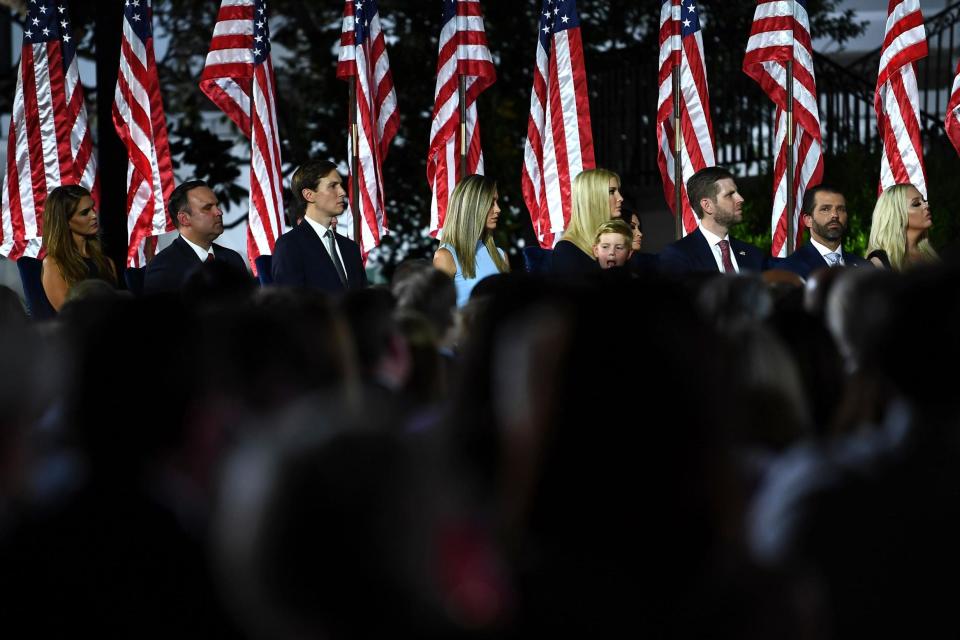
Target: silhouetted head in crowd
x=325 y=530
x=424 y=384
x=540 y=436
x=859 y=311
x=381 y=351
x=418 y=285
x=734 y=302
x=111 y=376
x=34 y=374
x=284 y=345
x=12 y=313
x=216 y=282
x=816 y=291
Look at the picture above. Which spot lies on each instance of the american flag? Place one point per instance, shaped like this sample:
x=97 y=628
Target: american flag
x=140 y=122
x=559 y=143
x=681 y=47
x=463 y=52
x=50 y=143
x=952 y=117
x=780 y=33
x=238 y=78
x=363 y=55
x=897 y=100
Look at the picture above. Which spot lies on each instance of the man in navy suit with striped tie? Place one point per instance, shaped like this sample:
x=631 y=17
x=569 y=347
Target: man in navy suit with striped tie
x=824 y=212
x=714 y=197
x=313 y=254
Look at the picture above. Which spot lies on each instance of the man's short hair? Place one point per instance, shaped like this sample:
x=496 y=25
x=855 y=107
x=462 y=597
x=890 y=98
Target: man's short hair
x=809 y=197
x=614 y=226
x=307 y=176
x=703 y=184
x=178 y=199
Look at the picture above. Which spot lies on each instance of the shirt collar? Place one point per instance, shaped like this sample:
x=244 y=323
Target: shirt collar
x=712 y=238
x=825 y=250
x=200 y=251
x=319 y=228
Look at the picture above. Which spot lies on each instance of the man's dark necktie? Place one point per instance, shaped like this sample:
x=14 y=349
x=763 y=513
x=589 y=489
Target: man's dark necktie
x=332 y=243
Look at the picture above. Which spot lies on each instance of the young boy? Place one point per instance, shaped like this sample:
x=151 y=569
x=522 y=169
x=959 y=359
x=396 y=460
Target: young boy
x=613 y=244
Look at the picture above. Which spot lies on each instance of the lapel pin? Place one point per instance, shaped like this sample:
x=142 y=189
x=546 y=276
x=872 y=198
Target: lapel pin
x=743 y=253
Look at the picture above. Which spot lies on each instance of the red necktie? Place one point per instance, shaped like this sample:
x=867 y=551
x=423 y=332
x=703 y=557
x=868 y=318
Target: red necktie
x=210 y=257
x=725 y=256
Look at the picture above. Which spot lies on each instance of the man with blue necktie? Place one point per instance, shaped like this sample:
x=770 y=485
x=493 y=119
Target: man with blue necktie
x=824 y=212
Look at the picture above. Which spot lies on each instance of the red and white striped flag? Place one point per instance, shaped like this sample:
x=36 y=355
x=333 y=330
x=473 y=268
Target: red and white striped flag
x=363 y=54
x=681 y=47
x=952 y=118
x=140 y=122
x=463 y=52
x=50 y=143
x=897 y=99
x=238 y=78
x=559 y=143
x=780 y=33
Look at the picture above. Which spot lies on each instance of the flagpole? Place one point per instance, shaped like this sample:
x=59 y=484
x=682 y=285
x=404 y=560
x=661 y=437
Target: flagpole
x=791 y=194
x=677 y=159
x=354 y=159
x=791 y=162
x=462 y=94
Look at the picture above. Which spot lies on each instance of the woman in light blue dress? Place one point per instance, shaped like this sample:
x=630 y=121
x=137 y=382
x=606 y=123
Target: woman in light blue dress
x=467 y=252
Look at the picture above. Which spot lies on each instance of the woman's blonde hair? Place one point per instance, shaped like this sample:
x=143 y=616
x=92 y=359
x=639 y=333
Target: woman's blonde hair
x=888 y=230
x=466 y=223
x=591 y=207
x=59 y=207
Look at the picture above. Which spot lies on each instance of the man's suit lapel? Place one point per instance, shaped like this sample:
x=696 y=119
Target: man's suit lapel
x=316 y=247
x=704 y=252
x=813 y=258
x=186 y=252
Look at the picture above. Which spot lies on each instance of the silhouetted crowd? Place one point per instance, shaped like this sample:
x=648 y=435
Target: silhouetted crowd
x=705 y=455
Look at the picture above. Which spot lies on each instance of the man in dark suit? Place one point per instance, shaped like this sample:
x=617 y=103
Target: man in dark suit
x=196 y=213
x=824 y=212
x=313 y=254
x=714 y=197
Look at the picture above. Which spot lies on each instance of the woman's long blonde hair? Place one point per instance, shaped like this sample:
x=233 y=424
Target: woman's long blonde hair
x=466 y=223
x=888 y=230
x=59 y=207
x=591 y=207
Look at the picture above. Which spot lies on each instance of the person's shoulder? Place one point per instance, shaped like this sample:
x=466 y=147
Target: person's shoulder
x=743 y=245
x=565 y=247
x=684 y=244
x=163 y=256
x=221 y=251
